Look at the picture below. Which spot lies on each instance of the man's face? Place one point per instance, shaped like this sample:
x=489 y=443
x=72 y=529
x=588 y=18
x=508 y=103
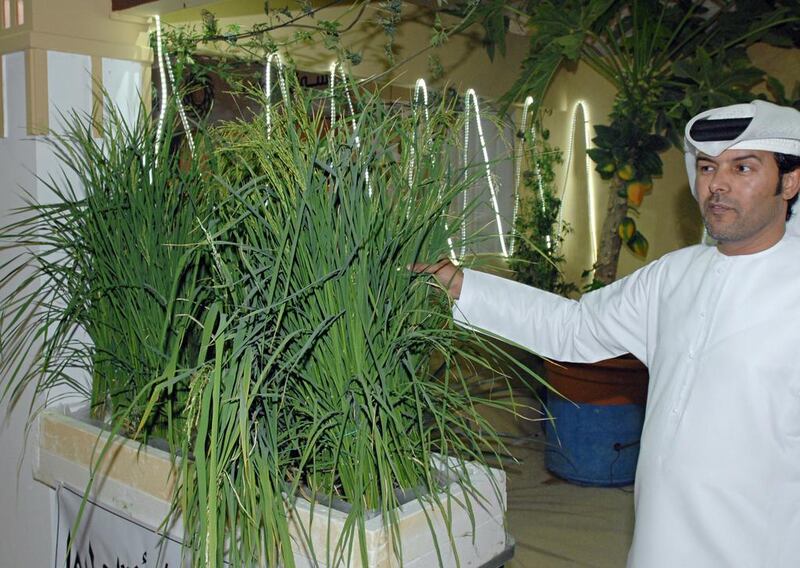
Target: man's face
x=737 y=195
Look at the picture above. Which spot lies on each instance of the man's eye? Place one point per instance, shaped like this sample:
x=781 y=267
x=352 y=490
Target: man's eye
x=744 y=168
x=705 y=169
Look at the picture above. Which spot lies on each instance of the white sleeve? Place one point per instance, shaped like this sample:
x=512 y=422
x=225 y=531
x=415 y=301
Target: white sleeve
x=605 y=323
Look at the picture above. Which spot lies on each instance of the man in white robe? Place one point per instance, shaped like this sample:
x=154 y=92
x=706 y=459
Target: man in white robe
x=718 y=478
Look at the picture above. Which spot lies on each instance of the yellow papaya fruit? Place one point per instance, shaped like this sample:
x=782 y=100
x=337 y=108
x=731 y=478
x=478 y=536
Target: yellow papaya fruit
x=626 y=229
x=636 y=191
x=638 y=245
x=626 y=172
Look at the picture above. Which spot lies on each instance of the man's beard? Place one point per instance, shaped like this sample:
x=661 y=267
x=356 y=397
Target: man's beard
x=733 y=231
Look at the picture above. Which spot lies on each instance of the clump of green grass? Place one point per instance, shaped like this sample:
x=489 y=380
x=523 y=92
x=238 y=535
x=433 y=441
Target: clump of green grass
x=104 y=275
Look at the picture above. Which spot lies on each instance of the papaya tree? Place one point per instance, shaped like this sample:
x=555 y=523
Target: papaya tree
x=667 y=60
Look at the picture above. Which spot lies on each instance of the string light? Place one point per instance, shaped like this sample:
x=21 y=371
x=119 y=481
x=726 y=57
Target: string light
x=471 y=95
x=590 y=192
x=268 y=86
x=165 y=64
x=419 y=88
x=181 y=111
x=518 y=174
x=334 y=66
x=163 y=76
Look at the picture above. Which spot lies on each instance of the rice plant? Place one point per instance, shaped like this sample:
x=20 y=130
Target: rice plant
x=314 y=377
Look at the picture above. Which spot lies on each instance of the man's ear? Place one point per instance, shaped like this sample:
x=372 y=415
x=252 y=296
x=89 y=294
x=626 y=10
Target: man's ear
x=790 y=183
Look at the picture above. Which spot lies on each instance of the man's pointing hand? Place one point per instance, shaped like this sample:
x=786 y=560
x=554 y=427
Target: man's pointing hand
x=446 y=273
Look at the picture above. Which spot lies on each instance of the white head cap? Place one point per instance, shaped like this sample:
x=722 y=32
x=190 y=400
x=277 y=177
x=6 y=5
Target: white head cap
x=758 y=125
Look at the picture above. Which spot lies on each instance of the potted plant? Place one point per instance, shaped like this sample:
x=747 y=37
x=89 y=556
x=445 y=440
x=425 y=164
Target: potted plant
x=293 y=365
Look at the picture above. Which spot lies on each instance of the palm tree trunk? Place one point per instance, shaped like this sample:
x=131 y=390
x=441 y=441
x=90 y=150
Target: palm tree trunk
x=610 y=241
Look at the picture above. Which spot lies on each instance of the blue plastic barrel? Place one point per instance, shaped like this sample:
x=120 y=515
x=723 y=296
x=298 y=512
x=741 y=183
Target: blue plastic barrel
x=593 y=444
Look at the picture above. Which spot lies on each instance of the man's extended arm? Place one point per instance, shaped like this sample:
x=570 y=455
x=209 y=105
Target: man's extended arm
x=603 y=324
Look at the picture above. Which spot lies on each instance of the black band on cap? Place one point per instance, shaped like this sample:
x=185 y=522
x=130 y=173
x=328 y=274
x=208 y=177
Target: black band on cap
x=708 y=130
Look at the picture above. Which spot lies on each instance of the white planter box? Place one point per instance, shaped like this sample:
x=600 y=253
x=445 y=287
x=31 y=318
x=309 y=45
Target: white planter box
x=474 y=548
x=139 y=481
x=136 y=480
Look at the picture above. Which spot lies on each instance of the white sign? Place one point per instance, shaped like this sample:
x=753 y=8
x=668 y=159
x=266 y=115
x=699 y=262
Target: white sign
x=109 y=539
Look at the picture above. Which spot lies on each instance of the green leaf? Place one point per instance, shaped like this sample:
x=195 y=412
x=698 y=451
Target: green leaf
x=600 y=155
x=606 y=136
x=649 y=164
x=570 y=45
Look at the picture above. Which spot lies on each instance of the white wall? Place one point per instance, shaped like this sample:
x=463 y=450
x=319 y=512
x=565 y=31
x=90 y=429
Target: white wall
x=26 y=506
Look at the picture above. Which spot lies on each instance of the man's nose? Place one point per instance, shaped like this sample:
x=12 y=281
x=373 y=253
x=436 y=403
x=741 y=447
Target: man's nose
x=719 y=182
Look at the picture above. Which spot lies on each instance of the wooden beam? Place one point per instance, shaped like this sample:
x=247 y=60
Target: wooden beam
x=117 y=5
x=148 y=8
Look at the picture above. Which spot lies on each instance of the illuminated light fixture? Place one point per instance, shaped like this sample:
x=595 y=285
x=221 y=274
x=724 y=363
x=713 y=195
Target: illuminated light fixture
x=421 y=90
x=590 y=191
x=472 y=96
x=163 y=76
x=520 y=155
x=421 y=87
x=164 y=64
x=517 y=176
x=181 y=111
x=268 y=86
x=334 y=66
